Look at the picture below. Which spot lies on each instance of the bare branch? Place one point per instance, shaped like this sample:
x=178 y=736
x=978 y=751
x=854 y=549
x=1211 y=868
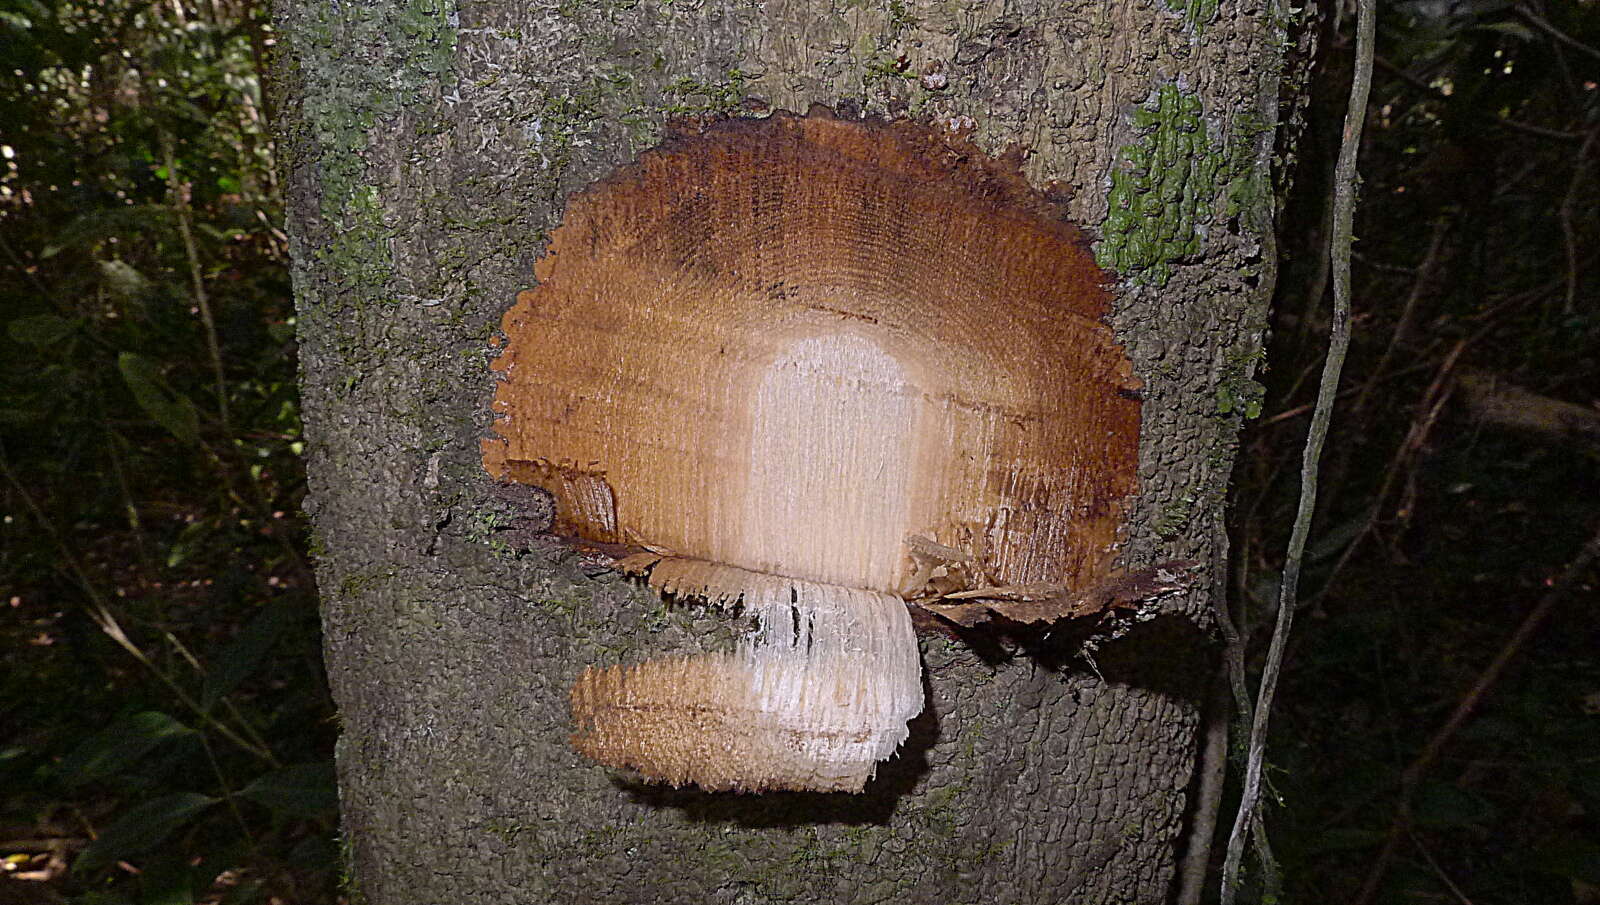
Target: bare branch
x=1345 y=180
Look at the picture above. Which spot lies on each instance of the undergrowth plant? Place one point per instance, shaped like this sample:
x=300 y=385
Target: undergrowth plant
x=165 y=731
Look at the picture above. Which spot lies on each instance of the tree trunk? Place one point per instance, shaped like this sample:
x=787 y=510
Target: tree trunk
x=429 y=150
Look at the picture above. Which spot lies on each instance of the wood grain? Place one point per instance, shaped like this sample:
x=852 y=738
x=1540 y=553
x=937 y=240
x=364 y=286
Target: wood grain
x=799 y=353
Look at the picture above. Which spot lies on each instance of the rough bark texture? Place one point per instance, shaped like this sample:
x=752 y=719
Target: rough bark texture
x=429 y=146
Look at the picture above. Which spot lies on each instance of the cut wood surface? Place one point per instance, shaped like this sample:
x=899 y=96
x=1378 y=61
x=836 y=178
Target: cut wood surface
x=789 y=343
x=779 y=349
x=814 y=701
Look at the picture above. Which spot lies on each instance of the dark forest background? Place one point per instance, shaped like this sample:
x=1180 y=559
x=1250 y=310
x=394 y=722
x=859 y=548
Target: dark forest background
x=165 y=733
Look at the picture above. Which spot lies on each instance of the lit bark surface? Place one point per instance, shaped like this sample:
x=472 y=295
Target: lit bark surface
x=430 y=151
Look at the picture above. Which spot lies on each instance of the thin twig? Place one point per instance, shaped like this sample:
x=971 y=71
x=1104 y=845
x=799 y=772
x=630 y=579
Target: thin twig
x=130 y=506
x=1574 y=573
x=1438 y=870
x=106 y=621
x=246 y=726
x=1544 y=25
x=1271 y=877
x=1568 y=232
x=1344 y=200
x=1233 y=630
x=180 y=204
x=1212 y=770
x=1407 y=314
x=1297 y=411
x=1213 y=761
x=227 y=791
x=1432 y=405
x=1318 y=287
x=1512 y=124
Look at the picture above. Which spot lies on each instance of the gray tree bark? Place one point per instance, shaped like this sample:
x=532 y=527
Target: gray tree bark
x=429 y=145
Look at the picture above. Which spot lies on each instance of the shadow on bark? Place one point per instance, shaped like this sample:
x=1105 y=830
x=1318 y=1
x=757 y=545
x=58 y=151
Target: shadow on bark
x=1168 y=654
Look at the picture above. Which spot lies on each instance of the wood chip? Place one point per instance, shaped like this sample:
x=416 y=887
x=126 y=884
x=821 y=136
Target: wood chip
x=1125 y=591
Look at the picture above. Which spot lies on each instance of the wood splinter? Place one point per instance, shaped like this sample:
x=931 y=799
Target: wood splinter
x=772 y=350
x=1045 y=603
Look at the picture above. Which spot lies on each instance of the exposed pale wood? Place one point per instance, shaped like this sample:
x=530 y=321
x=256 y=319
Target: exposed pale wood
x=789 y=344
x=812 y=355
x=813 y=702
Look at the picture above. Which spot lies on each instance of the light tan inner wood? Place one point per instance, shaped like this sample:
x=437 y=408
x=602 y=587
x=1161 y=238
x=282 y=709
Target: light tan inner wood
x=784 y=346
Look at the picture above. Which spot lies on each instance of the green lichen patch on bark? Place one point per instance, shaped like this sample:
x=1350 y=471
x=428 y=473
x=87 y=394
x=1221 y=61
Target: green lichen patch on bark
x=1162 y=190
x=1195 y=13
x=345 y=98
x=1238 y=392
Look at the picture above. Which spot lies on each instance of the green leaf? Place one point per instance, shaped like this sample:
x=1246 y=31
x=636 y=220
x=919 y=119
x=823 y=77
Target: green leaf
x=167 y=880
x=315 y=853
x=168 y=409
x=39 y=330
x=247 y=892
x=244 y=654
x=98 y=223
x=1514 y=29
x=192 y=537
x=1333 y=540
x=112 y=750
x=304 y=790
x=123 y=278
x=142 y=829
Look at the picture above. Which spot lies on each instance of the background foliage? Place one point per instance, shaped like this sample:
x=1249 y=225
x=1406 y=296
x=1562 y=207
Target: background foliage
x=1443 y=522
x=165 y=734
